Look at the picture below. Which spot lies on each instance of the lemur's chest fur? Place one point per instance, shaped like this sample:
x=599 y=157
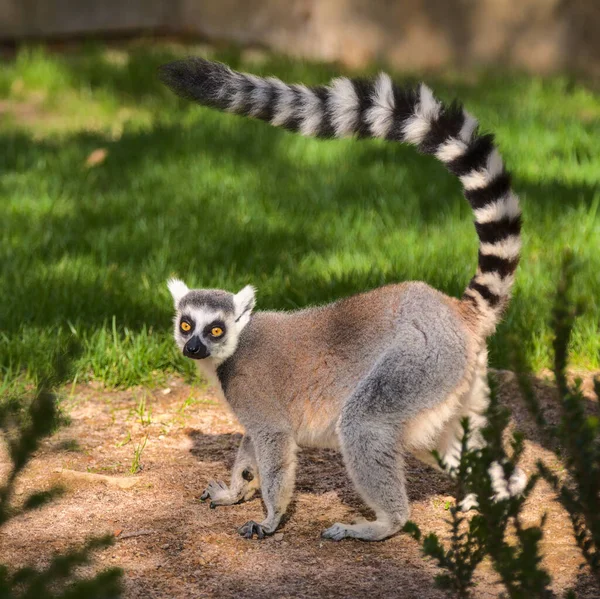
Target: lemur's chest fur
x=208 y=369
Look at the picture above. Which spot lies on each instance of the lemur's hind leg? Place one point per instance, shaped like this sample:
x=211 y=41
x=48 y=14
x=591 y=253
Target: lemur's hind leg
x=376 y=466
x=449 y=445
x=244 y=479
x=416 y=376
x=474 y=406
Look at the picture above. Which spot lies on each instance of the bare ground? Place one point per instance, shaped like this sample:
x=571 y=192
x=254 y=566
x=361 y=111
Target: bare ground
x=171 y=545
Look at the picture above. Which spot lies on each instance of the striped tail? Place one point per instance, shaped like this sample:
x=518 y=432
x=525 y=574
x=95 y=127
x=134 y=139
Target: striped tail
x=380 y=109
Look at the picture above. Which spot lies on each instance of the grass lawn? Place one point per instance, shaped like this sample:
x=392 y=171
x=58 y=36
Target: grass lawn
x=109 y=185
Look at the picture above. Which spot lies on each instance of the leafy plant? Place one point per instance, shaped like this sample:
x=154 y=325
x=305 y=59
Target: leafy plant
x=23 y=430
x=577 y=435
x=143 y=413
x=466 y=550
x=496 y=529
x=497 y=514
x=126 y=440
x=137 y=456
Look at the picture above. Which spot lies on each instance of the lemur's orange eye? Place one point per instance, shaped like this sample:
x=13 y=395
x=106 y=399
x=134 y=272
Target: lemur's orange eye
x=186 y=327
x=216 y=331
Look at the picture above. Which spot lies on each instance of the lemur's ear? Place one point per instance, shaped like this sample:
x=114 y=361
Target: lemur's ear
x=178 y=289
x=244 y=304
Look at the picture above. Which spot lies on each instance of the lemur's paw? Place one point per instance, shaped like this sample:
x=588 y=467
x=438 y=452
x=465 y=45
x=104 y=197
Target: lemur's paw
x=337 y=532
x=219 y=494
x=252 y=528
x=364 y=531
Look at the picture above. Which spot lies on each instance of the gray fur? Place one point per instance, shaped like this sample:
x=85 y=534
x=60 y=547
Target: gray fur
x=214 y=300
x=354 y=375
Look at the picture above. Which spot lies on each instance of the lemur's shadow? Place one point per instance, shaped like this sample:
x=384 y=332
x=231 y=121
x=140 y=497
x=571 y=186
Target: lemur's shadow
x=319 y=471
x=322 y=471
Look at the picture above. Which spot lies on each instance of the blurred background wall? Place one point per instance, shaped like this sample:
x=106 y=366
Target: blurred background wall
x=537 y=35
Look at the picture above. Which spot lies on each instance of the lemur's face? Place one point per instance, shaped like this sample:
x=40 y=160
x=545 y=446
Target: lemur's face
x=208 y=322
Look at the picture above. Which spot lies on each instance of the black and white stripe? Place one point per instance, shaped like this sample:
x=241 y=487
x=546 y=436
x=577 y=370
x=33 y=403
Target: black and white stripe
x=381 y=109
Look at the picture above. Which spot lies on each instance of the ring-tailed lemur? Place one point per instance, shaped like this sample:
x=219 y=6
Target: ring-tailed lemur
x=377 y=374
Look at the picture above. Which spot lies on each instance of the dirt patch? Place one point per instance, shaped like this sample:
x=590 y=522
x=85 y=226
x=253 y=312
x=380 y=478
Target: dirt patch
x=24 y=113
x=171 y=545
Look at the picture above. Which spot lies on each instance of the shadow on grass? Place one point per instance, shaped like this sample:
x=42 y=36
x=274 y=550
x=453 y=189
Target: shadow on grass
x=322 y=471
x=224 y=201
x=121 y=191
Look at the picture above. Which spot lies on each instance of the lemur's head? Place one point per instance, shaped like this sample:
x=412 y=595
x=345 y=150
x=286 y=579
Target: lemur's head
x=208 y=322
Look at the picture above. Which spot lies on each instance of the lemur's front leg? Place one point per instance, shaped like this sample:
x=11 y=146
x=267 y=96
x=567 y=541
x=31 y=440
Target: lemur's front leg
x=244 y=479
x=276 y=458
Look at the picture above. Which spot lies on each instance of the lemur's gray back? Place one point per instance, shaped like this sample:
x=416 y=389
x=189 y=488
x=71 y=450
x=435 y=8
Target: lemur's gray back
x=381 y=109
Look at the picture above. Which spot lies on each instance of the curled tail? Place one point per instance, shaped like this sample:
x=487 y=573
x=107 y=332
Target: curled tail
x=381 y=109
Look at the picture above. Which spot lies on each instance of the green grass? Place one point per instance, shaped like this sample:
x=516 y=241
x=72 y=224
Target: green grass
x=222 y=202
x=137 y=456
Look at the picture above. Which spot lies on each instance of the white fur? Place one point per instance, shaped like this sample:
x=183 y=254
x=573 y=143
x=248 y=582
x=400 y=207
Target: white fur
x=208 y=369
x=440 y=428
x=380 y=116
x=426 y=427
x=494 y=163
x=468 y=128
x=474 y=403
x=343 y=103
x=415 y=129
x=488 y=316
x=479 y=178
x=469 y=502
x=427 y=109
x=517 y=482
x=450 y=150
x=178 y=289
x=505 y=206
x=244 y=302
x=495 y=283
x=311 y=111
x=285 y=103
x=509 y=248
x=320 y=433
x=238 y=97
x=475 y=179
x=499 y=483
x=259 y=96
x=502 y=489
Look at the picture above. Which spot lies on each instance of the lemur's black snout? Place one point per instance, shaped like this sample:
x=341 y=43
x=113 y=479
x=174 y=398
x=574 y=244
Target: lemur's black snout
x=195 y=349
